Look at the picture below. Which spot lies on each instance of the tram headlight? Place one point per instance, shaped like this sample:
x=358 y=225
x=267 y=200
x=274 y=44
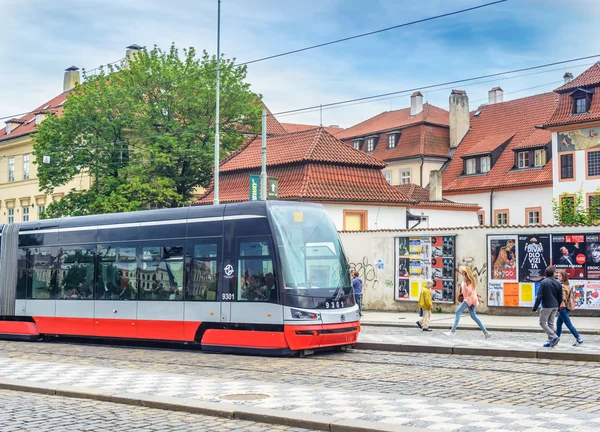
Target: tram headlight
x=298 y=314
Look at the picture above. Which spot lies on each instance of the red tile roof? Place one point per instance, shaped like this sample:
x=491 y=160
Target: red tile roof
x=296 y=127
x=563 y=115
x=273 y=125
x=489 y=143
x=391 y=120
x=27 y=127
x=420 y=195
x=539 y=138
x=591 y=77
x=310 y=165
x=314 y=145
x=517 y=117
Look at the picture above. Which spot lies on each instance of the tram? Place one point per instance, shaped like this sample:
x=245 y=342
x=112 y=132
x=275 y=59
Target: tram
x=254 y=277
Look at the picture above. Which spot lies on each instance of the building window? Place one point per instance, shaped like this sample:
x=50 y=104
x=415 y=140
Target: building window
x=485 y=164
x=370 y=144
x=471 y=166
x=523 y=159
x=11 y=215
x=540 y=158
x=355 y=220
x=406 y=176
x=593 y=163
x=388 y=176
x=25 y=167
x=41 y=209
x=501 y=217
x=566 y=166
x=581 y=105
x=38 y=119
x=533 y=216
x=567 y=205
x=391 y=141
x=25 y=214
x=11 y=169
x=594 y=206
x=481 y=217
x=356 y=145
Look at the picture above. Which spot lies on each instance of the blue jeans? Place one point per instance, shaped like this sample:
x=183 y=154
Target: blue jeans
x=358 y=298
x=563 y=317
x=474 y=316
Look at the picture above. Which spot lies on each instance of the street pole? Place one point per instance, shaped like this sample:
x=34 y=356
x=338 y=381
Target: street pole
x=263 y=171
x=217 y=118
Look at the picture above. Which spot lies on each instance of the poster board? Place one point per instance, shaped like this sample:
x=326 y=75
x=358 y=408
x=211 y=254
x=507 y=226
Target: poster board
x=422 y=258
x=517 y=264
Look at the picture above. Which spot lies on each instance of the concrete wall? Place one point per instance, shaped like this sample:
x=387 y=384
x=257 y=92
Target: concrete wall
x=365 y=249
x=445 y=218
x=516 y=200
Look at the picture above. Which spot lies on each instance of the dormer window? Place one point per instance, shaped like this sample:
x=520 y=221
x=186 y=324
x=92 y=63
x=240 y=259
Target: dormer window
x=523 y=159
x=371 y=143
x=531 y=158
x=582 y=100
x=540 y=158
x=471 y=166
x=580 y=106
x=356 y=144
x=486 y=163
x=392 y=139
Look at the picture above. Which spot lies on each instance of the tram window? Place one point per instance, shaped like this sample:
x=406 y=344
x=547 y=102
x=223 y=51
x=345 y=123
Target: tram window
x=76 y=275
x=202 y=273
x=255 y=267
x=161 y=273
x=42 y=273
x=117 y=273
x=23 y=279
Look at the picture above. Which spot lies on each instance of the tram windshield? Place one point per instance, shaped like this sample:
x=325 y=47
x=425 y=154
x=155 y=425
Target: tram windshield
x=311 y=254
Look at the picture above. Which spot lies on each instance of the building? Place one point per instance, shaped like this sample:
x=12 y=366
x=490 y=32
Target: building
x=20 y=197
x=412 y=141
x=314 y=166
x=297 y=127
x=575 y=128
x=501 y=158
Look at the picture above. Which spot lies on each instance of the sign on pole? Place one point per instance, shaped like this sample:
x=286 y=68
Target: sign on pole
x=254 y=187
x=272 y=188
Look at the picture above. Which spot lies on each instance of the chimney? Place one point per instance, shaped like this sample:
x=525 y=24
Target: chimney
x=459 y=117
x=71 y=78
x=416 y=103
x=568 y=77
x=435 y=185
x=495 y=95
x=132 y=50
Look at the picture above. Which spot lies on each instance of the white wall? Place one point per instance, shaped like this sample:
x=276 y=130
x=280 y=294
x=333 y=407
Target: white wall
x=516 y=200
x=445 y=218
x=379 y=217
x=579 y=182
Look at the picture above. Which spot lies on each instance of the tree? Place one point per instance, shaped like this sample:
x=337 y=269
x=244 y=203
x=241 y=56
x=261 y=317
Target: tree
x=572 y=210
x=144 y=132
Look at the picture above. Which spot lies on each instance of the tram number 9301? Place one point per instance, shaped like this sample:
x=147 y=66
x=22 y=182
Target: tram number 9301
x=333 y=305
x=228 y=297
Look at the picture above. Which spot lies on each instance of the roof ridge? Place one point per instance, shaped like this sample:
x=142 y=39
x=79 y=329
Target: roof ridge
x=313 y=146
x=239 y=150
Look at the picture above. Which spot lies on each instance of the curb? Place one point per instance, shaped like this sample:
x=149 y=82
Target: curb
x=468 y=327
x=212 y=409
x=487 y=352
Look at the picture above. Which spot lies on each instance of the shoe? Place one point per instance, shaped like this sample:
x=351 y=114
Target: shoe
x=554 y=341
x=450 y=334
x=488 y=335
x=419 y=324
x=427 y=329
x=547 y=345
x=578 y=342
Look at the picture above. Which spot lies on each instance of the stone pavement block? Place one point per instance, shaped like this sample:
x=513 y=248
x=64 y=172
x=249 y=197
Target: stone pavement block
x=286 y=418
x=494 y=352
x=365 y=426
x=376 y=346
x=426 y=349
x=188 y=405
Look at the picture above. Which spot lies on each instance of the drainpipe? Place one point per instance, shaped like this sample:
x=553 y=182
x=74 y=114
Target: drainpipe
x=492 y=207
x=421 y=169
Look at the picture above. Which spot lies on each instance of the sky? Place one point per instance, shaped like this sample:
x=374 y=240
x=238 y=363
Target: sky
x=41 y=39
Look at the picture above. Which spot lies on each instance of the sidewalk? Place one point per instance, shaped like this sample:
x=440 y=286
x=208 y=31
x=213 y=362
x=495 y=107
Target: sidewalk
x=497 y=323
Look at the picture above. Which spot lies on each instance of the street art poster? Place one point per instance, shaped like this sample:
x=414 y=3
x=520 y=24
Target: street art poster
x=578 y=293
x=534 y=253
x=581 y=139
x=503 y=258
x=495 y=294
x=568 y=253
x=420 y=259
x=592 y=295
x=592 y=256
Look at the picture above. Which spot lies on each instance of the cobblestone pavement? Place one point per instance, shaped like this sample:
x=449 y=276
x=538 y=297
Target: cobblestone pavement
x=32 y=412
x=475 y=339
x=463 y=393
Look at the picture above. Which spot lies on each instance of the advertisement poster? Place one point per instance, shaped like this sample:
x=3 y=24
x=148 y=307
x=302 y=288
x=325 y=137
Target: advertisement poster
x=592 y=295
x=592 y=256
x=578 y=292
x=526 y=298
x=503 y=258
x=403 y=267
x=568 y=253
x=414 y=290
x=534 y=253
x=402 y=247
x=511 y=294
x=414 y=248
x=402 y=291
x=495 y=294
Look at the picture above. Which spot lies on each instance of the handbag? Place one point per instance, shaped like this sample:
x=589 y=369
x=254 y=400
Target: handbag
x=461 y=297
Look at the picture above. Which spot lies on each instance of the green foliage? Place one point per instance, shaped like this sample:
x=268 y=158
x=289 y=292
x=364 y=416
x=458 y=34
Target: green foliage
x=572 y=209
x=143 y=132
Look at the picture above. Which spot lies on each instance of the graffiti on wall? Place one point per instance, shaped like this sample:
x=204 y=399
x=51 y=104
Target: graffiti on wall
x=366 y=271
x=479 y=272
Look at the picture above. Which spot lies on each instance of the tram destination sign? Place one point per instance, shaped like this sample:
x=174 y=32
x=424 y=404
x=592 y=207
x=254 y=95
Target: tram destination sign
x=272 y=188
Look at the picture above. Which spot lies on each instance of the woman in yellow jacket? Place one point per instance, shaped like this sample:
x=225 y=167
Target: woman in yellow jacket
x=425 y=303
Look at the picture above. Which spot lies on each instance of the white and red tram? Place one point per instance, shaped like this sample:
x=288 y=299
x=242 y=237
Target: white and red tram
x=266 y=277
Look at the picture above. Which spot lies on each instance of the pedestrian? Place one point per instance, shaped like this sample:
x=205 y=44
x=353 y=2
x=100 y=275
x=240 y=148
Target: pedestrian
x=357 y=284
x=469 y=300
x=426 y=305
x=566 y=307
x=550 y=295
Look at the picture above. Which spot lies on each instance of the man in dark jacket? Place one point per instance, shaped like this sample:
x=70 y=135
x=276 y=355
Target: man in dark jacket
x=550 y=296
